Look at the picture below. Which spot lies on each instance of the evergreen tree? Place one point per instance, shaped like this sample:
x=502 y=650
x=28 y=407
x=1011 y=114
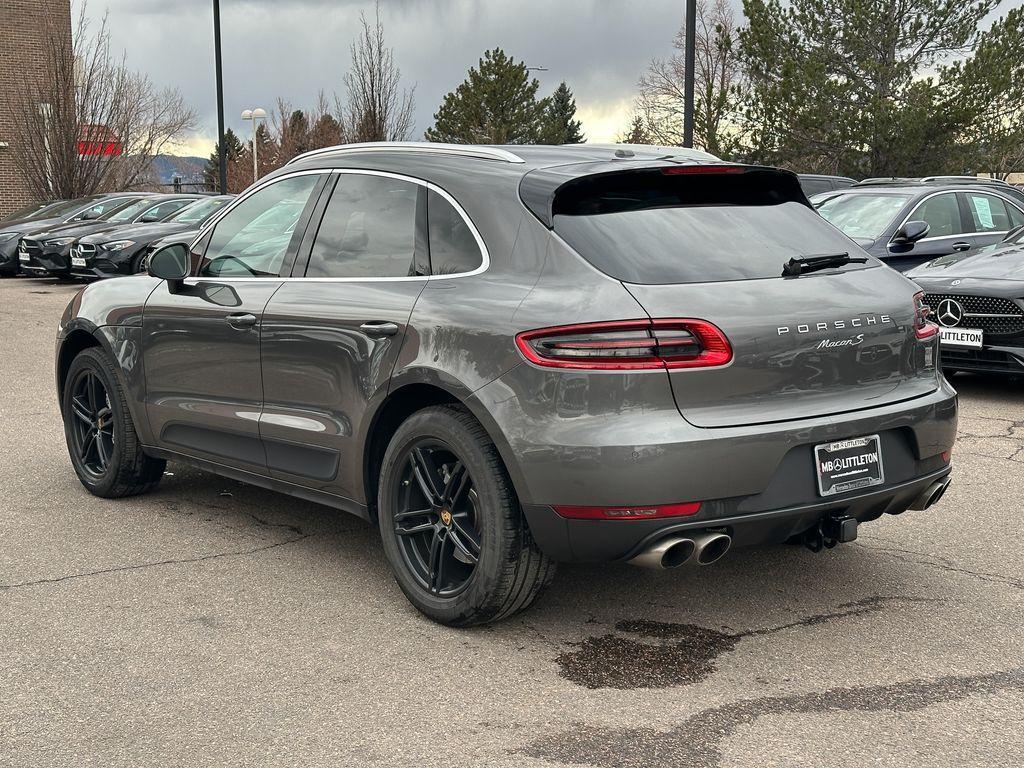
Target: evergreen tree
x=857 y=87
x=560 y=125
x=496 y=104
x=636 y=133
x=211 y=171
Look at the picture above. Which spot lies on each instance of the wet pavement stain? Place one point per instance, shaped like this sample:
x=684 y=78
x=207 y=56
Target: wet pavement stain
x=654 y=654
x=698 y=741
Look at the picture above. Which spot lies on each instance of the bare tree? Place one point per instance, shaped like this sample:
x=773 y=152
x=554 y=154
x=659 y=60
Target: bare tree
x=378 y=108
x=717 y=75
x=71 y=124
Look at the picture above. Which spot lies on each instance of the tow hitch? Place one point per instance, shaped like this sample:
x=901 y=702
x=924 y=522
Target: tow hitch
x=831 y=531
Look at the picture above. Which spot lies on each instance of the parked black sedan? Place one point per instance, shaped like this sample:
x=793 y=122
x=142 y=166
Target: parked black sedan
x=978 y=300
x=28 y=221
x=908 y=223
x=122 y=251
x=48 y=253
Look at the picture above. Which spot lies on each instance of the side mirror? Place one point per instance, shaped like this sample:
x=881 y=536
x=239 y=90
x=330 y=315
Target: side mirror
x=911 y=232
x=170 y=263
x=90 y=216
x=149 y=219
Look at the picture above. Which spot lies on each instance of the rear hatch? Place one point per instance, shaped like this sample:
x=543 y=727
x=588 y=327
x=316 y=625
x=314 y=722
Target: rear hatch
x=710 y=243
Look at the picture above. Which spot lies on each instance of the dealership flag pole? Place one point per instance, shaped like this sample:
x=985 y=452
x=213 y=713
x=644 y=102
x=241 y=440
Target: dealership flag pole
x=691 y=35
x=221 y=149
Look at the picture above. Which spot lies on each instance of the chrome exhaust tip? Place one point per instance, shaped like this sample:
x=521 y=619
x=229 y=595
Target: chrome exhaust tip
x=670 y=552
x=711 y=547
x=931 y=495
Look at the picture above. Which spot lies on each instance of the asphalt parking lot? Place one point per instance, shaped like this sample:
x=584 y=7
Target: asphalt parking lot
x=211 y=623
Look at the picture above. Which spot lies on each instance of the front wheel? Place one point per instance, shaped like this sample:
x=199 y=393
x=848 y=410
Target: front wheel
x=102 y=442
x=451 y=524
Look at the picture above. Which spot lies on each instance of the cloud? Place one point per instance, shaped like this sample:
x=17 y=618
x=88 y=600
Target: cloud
x=295 y=48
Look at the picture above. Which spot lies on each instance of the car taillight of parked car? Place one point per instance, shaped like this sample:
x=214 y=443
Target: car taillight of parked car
x=923 y=327
x=628 y=345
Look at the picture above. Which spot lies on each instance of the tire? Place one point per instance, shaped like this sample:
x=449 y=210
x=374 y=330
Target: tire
x=136 y=266
x=126 y=470
x=510 y=571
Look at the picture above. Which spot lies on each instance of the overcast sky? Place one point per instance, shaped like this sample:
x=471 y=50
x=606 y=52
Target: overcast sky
x=296 y=48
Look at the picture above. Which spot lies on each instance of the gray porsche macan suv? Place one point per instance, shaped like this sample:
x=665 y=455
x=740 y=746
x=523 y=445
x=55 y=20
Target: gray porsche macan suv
x=511 y=356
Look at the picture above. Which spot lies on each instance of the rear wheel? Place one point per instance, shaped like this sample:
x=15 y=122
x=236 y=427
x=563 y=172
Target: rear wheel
x=452 y=526
x=100 y=433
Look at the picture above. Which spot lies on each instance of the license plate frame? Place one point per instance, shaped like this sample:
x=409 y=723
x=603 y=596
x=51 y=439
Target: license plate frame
x=23 y=257
x=847 y=465
x=972 y=338
x=78 y=261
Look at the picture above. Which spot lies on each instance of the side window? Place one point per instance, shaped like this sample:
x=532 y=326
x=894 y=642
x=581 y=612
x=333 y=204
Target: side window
x=453 y=249
x=107 y=205
x=252 y=239
x=988 y=213
x=942 y=213
x=368 y=229
x=161 y=211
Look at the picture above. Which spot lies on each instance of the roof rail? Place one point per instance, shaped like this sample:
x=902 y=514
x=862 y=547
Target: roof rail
x=462 y=150
x=966 y=179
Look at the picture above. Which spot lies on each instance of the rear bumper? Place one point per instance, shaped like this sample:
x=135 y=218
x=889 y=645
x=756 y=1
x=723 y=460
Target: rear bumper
x=609 y=540
x=594 y=441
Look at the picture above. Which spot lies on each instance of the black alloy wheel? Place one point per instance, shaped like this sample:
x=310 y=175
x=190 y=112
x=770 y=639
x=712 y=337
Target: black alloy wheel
x=92 y=425
x=437 y=518
x=452 y=527
x=102 y=442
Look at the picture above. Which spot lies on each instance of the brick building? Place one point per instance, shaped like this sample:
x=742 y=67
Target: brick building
x=25 y=27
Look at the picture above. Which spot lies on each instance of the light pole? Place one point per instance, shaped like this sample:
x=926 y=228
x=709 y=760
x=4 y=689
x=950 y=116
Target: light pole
x=689 y=53
x=221 y=149
x=255 y=115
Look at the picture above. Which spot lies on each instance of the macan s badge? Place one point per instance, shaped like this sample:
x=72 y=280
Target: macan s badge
x=837 y=325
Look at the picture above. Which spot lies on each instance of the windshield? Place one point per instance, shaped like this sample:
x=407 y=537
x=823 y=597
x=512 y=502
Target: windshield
x=658 y=229
x=198 y=211
x=29 y=211
x=130 y=211
x=862 y=215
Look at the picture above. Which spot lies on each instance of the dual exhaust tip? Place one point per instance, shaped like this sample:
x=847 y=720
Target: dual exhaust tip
x=675 y=551
x=931 y=495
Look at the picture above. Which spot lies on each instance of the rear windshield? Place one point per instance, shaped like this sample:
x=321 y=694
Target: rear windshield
x=655 y=229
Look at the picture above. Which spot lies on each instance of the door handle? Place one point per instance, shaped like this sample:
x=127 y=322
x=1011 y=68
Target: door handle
x=960 y=245
x=241 y=320
x=377 y=329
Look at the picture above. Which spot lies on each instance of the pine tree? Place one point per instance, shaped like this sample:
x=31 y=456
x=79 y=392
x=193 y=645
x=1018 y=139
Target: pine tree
x=636 y=133
x=560 y=125
x=211 y=172
x=496 y=104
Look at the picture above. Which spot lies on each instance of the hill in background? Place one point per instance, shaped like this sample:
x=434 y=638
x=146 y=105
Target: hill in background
x=188 y=169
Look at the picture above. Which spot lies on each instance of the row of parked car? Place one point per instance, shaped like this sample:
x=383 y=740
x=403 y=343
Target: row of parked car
x=98 y=236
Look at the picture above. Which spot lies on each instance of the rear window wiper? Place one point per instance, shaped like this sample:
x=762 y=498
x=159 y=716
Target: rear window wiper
x=797 y=267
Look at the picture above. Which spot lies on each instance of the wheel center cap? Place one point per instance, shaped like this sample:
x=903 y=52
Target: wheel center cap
x=446 y=517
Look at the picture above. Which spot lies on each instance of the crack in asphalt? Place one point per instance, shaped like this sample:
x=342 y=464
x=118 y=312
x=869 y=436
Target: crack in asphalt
x=684 y=654
x=155 y=564
x=697 y=741
x=940 y=563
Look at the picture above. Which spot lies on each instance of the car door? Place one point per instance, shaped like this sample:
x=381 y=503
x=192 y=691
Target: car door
x=201 y=340
x=990 y=216
x=947 y=232
x=332 y=335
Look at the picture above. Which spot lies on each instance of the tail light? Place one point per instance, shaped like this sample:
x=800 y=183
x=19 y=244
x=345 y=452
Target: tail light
x=628 y=345
x=923 y=327
x=630 y=513
x=693 y=170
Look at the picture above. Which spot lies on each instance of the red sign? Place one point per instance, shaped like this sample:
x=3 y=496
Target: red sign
x=98 y=141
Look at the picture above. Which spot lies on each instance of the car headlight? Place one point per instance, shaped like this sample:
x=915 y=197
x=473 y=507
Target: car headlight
x=6 y=236
x=118 y=245
x=59 y=241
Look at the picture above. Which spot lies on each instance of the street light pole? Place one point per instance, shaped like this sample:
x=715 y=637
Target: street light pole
x=221 y=148
x=255 y=115
x=690 y=54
